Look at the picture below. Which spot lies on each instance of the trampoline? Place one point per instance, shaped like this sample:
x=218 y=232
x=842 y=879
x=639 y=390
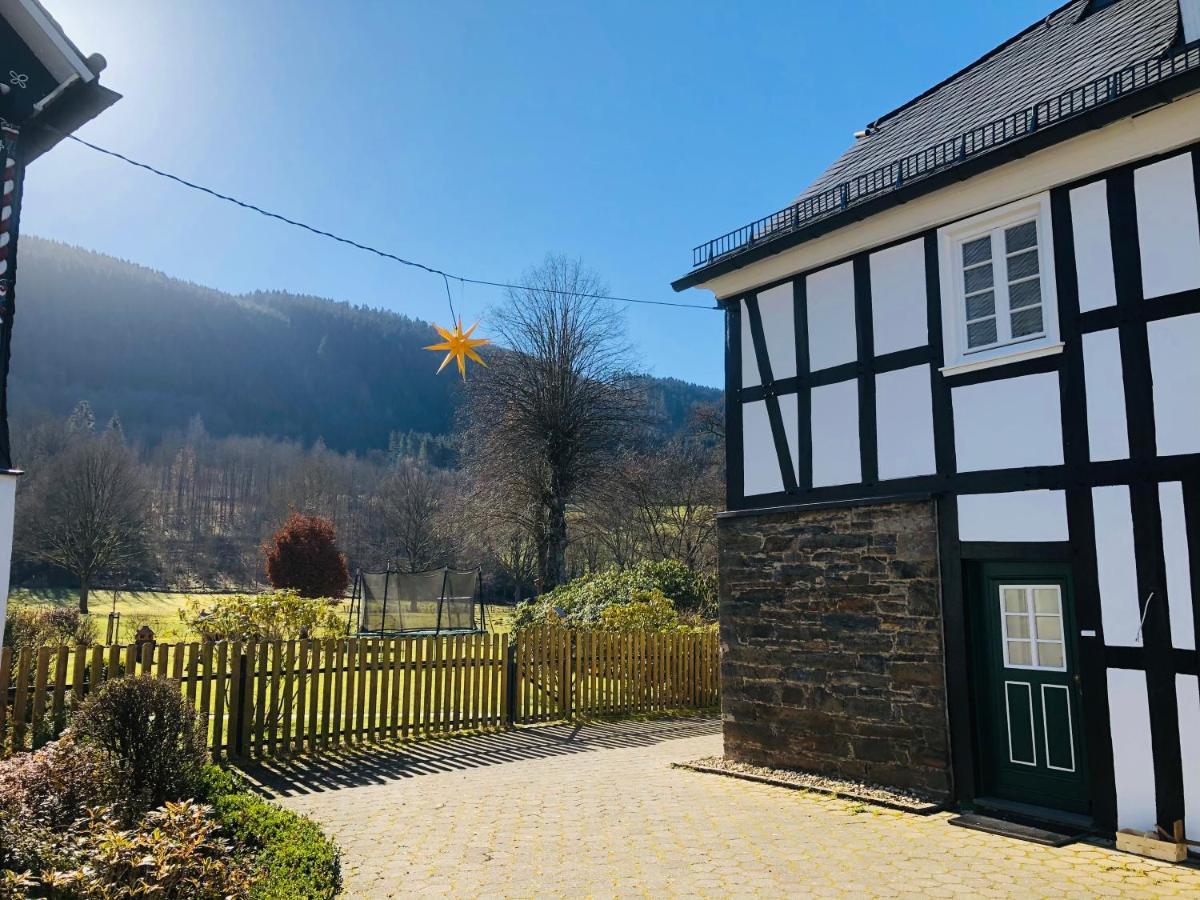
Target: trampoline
x=440 y=601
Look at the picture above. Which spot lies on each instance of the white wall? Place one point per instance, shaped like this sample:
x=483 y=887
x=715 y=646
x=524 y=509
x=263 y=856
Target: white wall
x=1178 y=561
x=1009 y=423
x=760 y=468
x=8 y=500
x=832 y=337
x=1015 y=516
x=899 y=307
x=777 y=309
x=1108 y=436
x=1133 y=755
x=904 y=423
x=1175 y=369
x=835 y=452
x=1093 y=246
x=1120 y=610
x=1187 y=691
x=1168 y=230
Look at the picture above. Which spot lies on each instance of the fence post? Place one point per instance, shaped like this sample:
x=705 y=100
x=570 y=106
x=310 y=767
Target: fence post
x=510 y=701
x=237 y=707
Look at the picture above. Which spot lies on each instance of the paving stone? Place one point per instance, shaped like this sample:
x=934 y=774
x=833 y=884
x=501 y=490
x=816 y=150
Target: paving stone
x=598 y=811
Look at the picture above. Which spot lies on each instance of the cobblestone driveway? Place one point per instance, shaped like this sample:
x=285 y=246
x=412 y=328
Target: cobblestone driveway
x=598 y=811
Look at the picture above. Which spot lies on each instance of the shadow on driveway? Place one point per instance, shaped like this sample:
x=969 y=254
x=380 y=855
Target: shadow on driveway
x=383 y=763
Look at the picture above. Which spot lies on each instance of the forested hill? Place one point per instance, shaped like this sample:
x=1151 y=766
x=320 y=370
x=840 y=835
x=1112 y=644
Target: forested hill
x=159 y=351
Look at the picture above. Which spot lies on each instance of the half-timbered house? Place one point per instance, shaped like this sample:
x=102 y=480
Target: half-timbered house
x=962 y=545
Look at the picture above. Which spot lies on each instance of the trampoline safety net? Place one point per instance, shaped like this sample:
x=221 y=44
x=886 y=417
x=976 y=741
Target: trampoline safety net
x=435 y=602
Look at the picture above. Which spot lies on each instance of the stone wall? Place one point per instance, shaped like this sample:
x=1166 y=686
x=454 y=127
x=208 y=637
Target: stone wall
x=831 y=643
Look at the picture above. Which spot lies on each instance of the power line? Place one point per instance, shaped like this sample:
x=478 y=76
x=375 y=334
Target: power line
x=356 y=244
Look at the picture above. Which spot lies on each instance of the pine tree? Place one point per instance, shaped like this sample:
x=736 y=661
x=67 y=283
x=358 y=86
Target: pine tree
x=82 y=420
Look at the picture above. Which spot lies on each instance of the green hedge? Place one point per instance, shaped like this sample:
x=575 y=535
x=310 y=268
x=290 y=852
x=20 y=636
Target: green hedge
x=295 y=859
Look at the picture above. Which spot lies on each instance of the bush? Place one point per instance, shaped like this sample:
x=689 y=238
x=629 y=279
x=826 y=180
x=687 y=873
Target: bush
x=53 y=786
x=581 y=603
x=273 y=616
x=176 y=851
x=293 y=857
x=151 y=738
x=47 y=626
x=304 y=556
x=646 y=611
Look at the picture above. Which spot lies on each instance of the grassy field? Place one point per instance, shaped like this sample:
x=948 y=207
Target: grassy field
x=160 y=610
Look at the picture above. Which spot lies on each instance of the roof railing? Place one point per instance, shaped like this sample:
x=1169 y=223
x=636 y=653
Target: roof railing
x=948 y=153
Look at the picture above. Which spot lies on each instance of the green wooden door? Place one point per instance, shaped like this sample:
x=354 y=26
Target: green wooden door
x=1030 y=729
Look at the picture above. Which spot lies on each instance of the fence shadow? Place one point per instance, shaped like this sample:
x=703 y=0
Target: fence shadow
x=383 y=763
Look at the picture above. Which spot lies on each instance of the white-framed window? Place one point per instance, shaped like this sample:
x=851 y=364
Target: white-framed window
x=999 y=302
x=1031 y=618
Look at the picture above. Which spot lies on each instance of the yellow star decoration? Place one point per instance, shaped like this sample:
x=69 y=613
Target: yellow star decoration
x=459 y=346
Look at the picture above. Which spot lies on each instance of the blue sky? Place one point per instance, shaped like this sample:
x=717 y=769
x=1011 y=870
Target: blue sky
x=478 y=137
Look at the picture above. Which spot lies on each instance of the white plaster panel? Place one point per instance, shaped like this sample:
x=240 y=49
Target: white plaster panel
x=777 y=309
x=1093 y=246
x=832 y=339
x=750 y=376
x=1133 y=756
x=1187 y=690
x=1117 y=569
x=760 y=463
x=1168 y=227
x=835 y=453
x=1018 y=516
x=789 y=410
x=899 y=302
x=904 y=423
x=1175 y=370
x=1008 y=423
x=1178 y=560
x=1108 y=437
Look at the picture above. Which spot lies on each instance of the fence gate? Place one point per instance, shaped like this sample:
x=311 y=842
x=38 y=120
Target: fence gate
x=563 y=674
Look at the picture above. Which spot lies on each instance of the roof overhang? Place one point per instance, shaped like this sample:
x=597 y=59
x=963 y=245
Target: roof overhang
x=1130 y=104
x=52 y=88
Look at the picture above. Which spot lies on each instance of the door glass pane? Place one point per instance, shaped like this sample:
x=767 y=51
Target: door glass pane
x=1050 y=656
x=1014 y=600
x=1020 y=653
x=1045 y=600
x=1017 y=626
x=1049 y=628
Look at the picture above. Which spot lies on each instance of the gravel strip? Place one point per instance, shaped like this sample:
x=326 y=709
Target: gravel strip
x=892 y=798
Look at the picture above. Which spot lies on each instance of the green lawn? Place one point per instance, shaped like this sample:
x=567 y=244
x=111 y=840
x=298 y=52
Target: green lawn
x=160 y=610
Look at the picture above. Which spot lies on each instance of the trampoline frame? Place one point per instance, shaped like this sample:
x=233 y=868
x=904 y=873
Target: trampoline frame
x=356 y=605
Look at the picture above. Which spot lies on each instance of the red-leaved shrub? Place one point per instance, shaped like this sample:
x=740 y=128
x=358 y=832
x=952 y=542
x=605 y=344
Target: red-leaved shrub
x=304 y=556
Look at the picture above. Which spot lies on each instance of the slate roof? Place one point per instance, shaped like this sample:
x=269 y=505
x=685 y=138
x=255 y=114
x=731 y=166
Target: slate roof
x=1066 y=49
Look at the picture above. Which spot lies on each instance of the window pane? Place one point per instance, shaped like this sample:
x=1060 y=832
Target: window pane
x=977 y=279
x=1023 y=265
x=1020 y=237
x=1045 y=600
x=980 y=334
x=1049 y=628
x=1027 y=293
x=1014 y=600
x=1016 y=626
x=977 y=251
x=1020 y=653
x=981 y=306
x=1027 y=321
x=1050 y=655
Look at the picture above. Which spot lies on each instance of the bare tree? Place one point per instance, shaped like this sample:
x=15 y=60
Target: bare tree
x=412 y=501
x=90 y=510
x=543 y=423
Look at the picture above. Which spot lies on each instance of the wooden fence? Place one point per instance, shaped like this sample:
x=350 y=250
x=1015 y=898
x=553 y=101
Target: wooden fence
x=276 y=698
